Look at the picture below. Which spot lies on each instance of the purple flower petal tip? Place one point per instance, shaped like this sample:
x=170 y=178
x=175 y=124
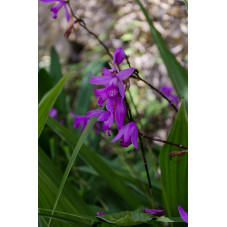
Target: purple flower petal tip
x=128 y=135
x=167 y=91
x=153 y=212
x=99 y=213
x=53 y=113
x=119 y=56
x=183 y=214
x=57 y=7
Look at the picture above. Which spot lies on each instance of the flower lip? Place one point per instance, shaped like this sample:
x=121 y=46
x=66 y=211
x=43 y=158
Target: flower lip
x=112 y=91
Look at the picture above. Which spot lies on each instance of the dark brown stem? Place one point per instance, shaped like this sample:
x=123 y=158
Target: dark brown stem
x=145 y=161
x=164 y=141
x=82 y=24
x=158 y=91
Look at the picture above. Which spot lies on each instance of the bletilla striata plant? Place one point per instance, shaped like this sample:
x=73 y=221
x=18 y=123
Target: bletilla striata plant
x=115 y=81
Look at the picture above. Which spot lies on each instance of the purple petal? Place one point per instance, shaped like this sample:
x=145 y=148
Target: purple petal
x=100 y=213
x=106 y=72
x=67 y=15
x=57 y=7
x=53 y=113
x=95 y=113
x=183 y=214
x=104 y=116
x=125 y=73
x=128 y=131
x=135 y=137
x=166 y=90
x=112 y=90
x=110 y=105
x=120 y=112
x=153 y=212
x=121 y=88
x=119 y=135
x=119 y=56
x=100 y=80
x=107 y=124
x=102 y=95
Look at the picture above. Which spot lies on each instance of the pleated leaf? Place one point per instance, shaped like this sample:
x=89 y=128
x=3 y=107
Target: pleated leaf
x=99 y=165
x=174 y=173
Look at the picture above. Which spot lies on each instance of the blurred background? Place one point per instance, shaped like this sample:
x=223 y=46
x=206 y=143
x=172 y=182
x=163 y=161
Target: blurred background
x=118 y=24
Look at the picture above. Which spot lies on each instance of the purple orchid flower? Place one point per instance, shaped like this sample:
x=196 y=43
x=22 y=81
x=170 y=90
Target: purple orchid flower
x=119 y=56
x=57 y=7
x=110 y=92
x=168 y=92
x=53 y=113
x=106 y=116
x=83 y=121
x=116 y=79
x=153 y=212
x=80 y=121
x=99 y=213
x=128 y=135
x=183 y=214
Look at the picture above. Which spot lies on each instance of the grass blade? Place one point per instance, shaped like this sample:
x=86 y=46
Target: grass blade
x=176 y=72
x=72 y=159
x=47 y=102
x=175 y=173
x=56 y=75
x=99 y=165
x=49 y=180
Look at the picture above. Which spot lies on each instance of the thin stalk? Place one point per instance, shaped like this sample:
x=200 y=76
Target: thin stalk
x=156 y=89
x=164 y=141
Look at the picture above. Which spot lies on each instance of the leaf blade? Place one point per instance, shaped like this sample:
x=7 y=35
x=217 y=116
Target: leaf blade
x=48 y=101
x=174 y=175
x=99 y=165
x=176 y=72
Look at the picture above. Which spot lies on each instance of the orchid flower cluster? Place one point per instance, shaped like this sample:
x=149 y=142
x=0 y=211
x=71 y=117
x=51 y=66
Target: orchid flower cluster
x=113 y=95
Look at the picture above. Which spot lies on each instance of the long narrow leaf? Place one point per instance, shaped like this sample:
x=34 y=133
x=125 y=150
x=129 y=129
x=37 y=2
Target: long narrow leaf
x=49 y=181
x=72 y=159
x=174 y=173
x=47 y=102
x=99 y=165
x=176 y=72
x=56 y=74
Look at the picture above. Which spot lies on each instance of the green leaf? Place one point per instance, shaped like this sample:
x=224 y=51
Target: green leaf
x=174 y=173
x=41 y=222
x=173 y=219
x=47 y=102
x=49 y=179
x=186 y=3
x=127 y=218
x=176 y=72
x=72 y=160
x=74 y=219
x=55 y=72
x=98 y=164
x=44 y=83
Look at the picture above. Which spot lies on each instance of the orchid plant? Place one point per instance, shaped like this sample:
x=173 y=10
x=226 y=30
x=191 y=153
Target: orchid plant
x=113 y=108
